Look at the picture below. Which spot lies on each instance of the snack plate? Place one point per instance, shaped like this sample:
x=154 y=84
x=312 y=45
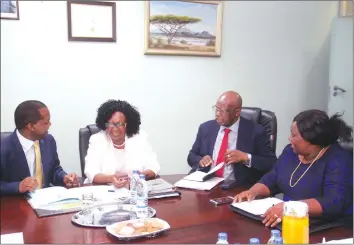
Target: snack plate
x=111 y=229
x=107 y=214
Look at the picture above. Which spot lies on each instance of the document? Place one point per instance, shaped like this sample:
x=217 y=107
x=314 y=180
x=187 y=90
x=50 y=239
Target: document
x=196 y=185
x=160 y=188
x=259 y=206
x=342 y=241
x=201 y=176
x=12 y=238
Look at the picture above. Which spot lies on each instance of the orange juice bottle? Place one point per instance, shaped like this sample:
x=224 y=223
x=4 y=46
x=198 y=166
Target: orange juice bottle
x=295 y=224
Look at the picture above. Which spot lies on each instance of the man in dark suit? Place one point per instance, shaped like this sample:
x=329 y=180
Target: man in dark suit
x=29 y=158
x=242 y=145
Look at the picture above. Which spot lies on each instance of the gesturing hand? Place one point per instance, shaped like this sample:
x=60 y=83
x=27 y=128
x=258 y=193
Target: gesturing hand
x=206 y=161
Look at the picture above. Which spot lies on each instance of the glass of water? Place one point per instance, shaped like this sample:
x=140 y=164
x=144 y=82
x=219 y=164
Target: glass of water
x=87 y=204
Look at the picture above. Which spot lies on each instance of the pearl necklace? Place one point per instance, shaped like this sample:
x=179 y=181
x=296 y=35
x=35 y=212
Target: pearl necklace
x=119 y=145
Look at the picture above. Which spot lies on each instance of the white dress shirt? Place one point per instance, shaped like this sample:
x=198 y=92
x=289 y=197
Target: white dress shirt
x=232 y=145
x=28 y=149
x=103 y=157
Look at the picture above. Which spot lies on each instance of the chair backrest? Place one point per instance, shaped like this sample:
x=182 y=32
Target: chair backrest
x=347 y=145
x=84 y=138
x=3 y=135
x=265 y=118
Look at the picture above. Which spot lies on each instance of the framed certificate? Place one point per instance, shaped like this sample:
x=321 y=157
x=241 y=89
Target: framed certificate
x=9 y=10
x=91 y=21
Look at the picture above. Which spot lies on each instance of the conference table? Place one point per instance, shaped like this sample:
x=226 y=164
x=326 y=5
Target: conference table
x=193 y=219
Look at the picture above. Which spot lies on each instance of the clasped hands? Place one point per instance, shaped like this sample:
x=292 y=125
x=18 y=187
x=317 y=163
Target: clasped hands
x=271 y=217
x=31 y=183
x=231 y=156
x=120 y=180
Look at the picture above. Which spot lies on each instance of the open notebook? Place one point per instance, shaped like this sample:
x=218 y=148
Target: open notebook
x=58 y=200
x=256 y=208
x=202 y=176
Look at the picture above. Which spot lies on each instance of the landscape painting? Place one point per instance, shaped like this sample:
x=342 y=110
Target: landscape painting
x=9 y=10
x=183 y=28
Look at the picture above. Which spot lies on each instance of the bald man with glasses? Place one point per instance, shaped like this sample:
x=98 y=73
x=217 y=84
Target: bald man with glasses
x=242 y=145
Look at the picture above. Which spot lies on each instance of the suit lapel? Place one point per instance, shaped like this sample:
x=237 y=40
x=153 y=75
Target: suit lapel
x=214 y=130
x=20 y=158
x=242 y=135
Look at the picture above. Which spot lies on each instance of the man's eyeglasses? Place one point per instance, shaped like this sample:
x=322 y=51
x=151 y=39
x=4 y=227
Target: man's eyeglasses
x=117 y=125
x=223 y=111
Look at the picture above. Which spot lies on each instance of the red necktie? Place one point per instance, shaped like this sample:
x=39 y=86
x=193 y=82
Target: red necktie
x=222 y=151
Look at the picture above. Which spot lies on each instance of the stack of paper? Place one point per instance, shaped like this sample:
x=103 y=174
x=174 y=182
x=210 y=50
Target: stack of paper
x=257 y=207
x=202 y=176
x=159 y=188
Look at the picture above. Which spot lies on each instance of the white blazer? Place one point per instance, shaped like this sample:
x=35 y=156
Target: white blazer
x=101 y=158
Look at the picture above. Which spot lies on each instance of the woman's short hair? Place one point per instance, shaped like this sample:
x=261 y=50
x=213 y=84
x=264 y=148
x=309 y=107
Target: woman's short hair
x=317 y=128
x=108 y=108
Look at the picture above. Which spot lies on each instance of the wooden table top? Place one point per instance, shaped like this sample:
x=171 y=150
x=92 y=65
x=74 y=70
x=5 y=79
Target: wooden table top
x=193 y=219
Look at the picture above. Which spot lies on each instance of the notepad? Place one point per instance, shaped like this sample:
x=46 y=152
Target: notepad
x=259 y=206
x=202 y=176
x=196 y=185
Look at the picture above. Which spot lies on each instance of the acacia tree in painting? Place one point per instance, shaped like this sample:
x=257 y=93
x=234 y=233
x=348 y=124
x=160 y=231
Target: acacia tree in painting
x=171 y=24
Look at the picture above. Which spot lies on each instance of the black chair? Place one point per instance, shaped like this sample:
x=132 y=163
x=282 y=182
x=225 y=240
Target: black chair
x=84 y=137
x=3 y=135
x=265 y=118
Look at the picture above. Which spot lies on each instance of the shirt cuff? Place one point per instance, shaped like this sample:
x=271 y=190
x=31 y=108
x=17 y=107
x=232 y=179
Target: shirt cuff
x=249 y=162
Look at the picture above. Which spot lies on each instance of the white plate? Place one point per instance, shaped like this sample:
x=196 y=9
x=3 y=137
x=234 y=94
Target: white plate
x=111 y=229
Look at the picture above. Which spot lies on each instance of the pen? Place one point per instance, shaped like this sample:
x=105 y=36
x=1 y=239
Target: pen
x=111 y=191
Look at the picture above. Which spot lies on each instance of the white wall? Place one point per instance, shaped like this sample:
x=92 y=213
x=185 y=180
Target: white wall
x=270 y=55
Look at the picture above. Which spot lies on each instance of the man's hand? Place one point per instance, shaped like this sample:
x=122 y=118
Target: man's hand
x=28 y=184
x=120 y=180
x=206 y=161
x=235 y=156
x=71 y=180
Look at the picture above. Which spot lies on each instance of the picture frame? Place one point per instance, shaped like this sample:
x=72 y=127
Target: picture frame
x=9 y=10
x=186 y=27
x=93 y=21
x=345 y=8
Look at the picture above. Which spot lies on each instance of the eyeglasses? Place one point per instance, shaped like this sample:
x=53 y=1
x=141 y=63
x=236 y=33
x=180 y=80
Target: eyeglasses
x=223 y=111
x=116 y=125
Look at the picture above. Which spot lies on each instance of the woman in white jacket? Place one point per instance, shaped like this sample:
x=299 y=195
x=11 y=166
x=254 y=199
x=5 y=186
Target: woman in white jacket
x=119 y=148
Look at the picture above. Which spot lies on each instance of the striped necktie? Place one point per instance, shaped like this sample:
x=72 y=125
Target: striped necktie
x=39 y=171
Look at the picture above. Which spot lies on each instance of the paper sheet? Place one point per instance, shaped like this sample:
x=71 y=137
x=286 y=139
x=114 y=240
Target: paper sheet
x=257 y=207
x=204 y=186
x=12 y=238
x=199 y=175
x=342 y=241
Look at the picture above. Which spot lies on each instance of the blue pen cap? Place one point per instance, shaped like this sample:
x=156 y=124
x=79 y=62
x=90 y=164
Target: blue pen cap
x=254 y=241
x=275 y=233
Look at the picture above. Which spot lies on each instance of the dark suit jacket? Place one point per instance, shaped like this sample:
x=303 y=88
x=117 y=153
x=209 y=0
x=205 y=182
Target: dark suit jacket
x=252 y=138
x=14 y=166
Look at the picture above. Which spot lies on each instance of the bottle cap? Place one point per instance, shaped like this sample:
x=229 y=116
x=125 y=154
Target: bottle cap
x=295 y=208
x=275 y=233
x=222 y=235
x=142 y=176
x=278 y=240
x=254 y=241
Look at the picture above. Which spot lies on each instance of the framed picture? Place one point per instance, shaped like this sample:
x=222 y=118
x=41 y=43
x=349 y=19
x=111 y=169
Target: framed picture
x=91 y=21
x=346 y=8
x=9 y=10
x=183 y=28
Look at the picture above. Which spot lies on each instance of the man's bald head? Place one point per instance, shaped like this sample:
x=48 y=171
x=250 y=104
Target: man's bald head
x=228 y=108
x=231 y=98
